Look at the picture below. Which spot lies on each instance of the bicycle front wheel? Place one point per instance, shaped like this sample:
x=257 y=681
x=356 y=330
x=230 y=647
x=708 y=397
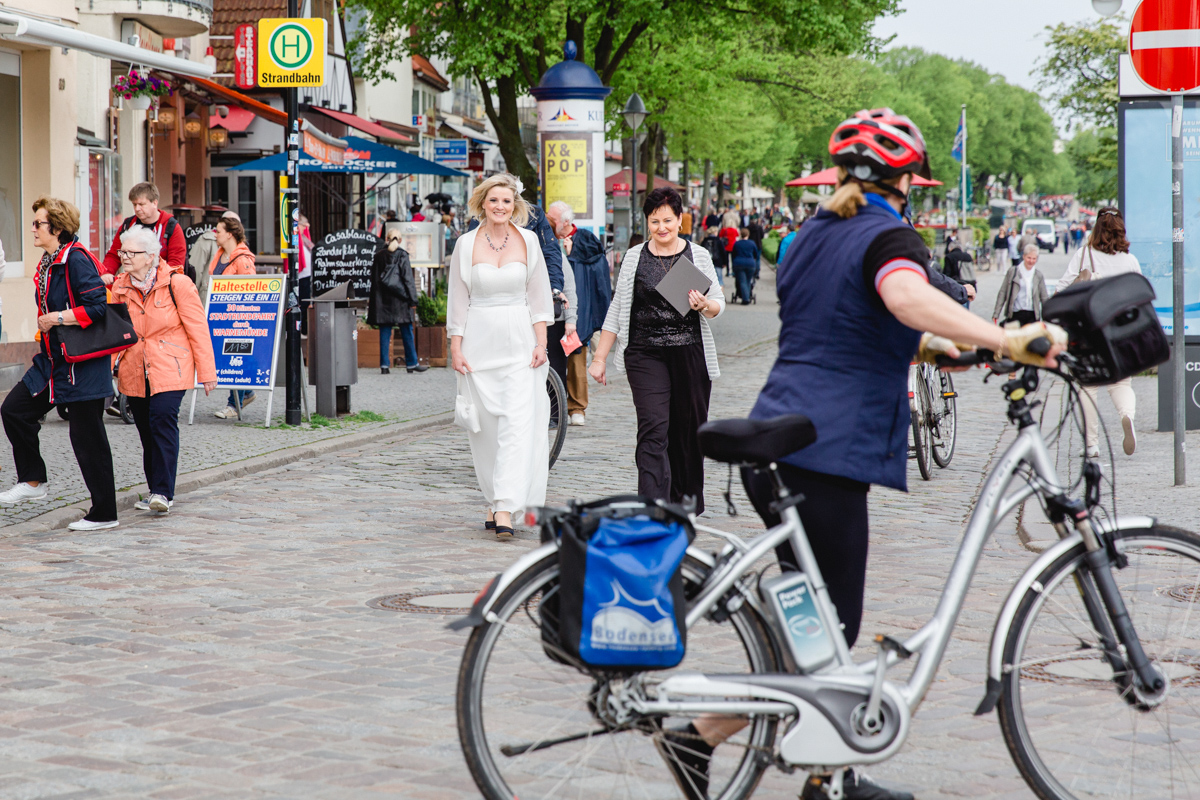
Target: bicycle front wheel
x=945 y=417
x=558 y=414
x=1073 y=723
x=512 y=695
x=922 y=435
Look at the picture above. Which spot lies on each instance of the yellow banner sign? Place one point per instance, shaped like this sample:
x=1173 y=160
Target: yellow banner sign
x=565 y=170
x=291 y=52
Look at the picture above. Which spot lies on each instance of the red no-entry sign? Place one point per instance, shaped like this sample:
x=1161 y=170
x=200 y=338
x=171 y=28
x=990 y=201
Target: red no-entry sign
x=1164 y=43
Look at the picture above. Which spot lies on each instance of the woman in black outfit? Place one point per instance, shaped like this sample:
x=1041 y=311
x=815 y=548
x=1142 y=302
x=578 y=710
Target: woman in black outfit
x=670 y=358
x=394 y=302
x=68 y=291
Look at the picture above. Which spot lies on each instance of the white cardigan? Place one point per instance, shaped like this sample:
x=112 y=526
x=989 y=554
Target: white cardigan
x=458 y=282
x=617 y=319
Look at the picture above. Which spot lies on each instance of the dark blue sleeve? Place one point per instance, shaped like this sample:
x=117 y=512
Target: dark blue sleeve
x=550 y=248
x=89 y=292
x=947 y=285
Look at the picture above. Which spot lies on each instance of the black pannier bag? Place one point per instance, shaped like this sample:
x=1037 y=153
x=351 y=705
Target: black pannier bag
x=618 y=605
x=1112 y=327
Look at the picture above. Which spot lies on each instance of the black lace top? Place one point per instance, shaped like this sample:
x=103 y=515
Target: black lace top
x=653 y=321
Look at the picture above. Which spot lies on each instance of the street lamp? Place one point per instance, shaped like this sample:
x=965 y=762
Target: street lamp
x=1106 y=8
x=634 y=114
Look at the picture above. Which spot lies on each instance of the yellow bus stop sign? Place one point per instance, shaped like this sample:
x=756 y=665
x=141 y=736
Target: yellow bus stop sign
x=291 y=52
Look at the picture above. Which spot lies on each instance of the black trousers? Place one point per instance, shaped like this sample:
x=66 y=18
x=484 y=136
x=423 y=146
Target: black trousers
x=1021 y=317
x=157 y=420
x=554 y=350
x=22 y=415
x=835 y=520
x=671 y=390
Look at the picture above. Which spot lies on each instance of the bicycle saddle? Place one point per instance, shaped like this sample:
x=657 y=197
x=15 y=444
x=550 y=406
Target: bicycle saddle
x=756 y=441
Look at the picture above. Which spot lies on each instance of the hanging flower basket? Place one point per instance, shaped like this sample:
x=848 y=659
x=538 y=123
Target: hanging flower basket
x=141 y=90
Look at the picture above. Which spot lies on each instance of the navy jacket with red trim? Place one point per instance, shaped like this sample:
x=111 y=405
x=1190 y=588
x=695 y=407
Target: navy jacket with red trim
x=74 y=284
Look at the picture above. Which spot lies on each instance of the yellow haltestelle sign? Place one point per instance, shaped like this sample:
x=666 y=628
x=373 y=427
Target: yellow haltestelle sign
x=291 y=52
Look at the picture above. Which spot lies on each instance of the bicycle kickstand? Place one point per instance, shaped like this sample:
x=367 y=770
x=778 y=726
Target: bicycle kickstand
x=835 y=788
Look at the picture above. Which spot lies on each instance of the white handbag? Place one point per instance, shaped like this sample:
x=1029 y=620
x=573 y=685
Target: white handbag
x=465 y=414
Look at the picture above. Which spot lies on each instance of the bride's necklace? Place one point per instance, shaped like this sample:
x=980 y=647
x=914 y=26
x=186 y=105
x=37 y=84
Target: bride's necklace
x=502 y=244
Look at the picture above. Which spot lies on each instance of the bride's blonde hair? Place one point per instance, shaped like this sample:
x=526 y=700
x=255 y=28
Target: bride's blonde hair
x=503 y=180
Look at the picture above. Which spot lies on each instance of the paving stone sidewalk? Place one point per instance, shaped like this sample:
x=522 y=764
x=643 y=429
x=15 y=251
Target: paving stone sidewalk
x=229 y=649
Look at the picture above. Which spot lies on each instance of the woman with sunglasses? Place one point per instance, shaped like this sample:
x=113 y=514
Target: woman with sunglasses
x=68 y=291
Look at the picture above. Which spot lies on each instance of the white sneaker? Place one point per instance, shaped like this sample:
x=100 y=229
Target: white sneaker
x=1130 y=442
x=159 y=503
x=22 y=492
x=229 y=412
x=577 y=419
x=88 y=525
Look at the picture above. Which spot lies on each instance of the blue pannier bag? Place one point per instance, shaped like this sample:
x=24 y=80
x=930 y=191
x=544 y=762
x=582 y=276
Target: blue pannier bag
x=620 y=604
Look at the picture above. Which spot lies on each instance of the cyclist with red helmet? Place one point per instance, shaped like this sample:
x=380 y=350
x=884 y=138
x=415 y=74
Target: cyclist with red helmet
x=855 y=297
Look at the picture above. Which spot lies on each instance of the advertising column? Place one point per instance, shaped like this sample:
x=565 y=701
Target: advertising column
x=571 y=139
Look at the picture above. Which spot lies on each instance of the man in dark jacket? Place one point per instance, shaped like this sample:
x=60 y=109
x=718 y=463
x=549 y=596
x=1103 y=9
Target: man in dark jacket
x=68 y=292
x=953 y=267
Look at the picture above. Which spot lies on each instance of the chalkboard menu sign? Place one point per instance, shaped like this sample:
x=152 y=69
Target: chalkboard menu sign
x=192 y=233
x=344 y=256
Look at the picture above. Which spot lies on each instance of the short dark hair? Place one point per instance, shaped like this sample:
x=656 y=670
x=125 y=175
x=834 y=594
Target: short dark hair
x=234 y=228
x=663 y=196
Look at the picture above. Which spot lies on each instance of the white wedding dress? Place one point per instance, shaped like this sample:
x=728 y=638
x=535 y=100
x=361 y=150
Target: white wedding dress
x=495 y=314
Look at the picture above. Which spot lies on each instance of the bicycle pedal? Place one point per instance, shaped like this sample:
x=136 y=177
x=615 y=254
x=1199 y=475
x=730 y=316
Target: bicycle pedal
x=949 y=394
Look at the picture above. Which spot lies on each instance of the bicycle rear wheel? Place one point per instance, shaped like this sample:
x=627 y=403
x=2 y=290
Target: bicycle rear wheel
x=558 y=414
x=510 y=692
x=922 y=436
x=945 y=418
x=1071 y=722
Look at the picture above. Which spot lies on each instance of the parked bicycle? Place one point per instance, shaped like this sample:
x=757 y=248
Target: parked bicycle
x=931 y=400
x=1094 y=663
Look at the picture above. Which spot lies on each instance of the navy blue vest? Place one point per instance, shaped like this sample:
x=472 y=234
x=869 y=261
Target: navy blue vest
x=843 y=357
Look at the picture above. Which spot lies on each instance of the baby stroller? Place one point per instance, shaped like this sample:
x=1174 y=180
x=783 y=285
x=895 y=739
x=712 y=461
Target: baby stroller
x=737 y=298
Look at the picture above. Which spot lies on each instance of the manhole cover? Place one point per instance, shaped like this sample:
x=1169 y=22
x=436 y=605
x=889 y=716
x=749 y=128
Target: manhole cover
x=1184 y=593
x=426 y=602
x=1092 y=670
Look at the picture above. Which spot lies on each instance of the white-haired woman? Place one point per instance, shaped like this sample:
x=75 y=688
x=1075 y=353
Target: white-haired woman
x=173 y=351
x=499 y=306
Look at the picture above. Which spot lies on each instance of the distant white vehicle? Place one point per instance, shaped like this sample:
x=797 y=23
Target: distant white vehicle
x=1043 y=229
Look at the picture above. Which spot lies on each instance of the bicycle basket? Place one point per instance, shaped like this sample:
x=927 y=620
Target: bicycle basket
x=1113 y=328
x=619 y=603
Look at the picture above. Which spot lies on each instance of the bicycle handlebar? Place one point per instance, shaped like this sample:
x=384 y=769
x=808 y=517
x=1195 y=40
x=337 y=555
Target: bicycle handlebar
x=1039 y=346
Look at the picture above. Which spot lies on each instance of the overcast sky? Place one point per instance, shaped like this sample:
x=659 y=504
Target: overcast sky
x=1004 y=37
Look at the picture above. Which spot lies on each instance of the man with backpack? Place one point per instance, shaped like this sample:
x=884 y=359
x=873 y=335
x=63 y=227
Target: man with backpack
x=144 y=197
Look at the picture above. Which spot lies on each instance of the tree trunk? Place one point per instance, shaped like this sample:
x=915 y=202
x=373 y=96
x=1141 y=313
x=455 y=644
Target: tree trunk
x=502 y=111
x=720 y=192
x=651 y=162
x=704 y=190
x=685 y=179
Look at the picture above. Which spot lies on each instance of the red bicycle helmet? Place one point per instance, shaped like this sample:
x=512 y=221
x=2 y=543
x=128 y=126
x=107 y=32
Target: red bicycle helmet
x=879 y=144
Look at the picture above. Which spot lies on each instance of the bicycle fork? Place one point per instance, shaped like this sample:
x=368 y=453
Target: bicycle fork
x=1104 y=604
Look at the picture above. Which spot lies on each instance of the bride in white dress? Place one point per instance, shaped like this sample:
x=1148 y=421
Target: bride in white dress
x=498 y=309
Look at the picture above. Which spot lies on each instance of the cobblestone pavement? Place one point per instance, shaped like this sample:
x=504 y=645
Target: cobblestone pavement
x=212 y=442
x=228 y=650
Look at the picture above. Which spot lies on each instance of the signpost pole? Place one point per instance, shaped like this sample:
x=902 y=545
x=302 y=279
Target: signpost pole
x=1179 y=358
x=292 y=317
x=963 y=185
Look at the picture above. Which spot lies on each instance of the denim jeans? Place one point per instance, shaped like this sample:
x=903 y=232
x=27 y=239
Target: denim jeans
x=385 y=345
x=743 y=275
x=157 y=420
x=242 y=394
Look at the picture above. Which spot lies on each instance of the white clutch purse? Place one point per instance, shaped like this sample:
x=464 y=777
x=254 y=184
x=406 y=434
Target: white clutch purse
x=465 y=414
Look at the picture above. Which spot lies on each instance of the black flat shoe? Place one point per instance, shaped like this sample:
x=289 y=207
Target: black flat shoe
x=384 y=371
x=503 y=531
x=489 y=524
x=418 y=368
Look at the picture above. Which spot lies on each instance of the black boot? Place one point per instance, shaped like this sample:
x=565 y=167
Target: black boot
x=688 y=757
x=385 y=371
x=855 y=786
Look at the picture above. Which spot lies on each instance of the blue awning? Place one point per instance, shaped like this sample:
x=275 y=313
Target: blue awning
x=361 y=156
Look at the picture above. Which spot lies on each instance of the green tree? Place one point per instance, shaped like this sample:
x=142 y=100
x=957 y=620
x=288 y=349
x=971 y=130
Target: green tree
x=505 y=47
x=1093 y=155
x=1080 y=69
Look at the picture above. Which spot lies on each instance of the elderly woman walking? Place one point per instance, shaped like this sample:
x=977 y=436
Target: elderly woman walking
x=1023 y=292
x=1105 y=254
x=498 y=309
x=68 y=291
x=671 y=359
x=173 y=352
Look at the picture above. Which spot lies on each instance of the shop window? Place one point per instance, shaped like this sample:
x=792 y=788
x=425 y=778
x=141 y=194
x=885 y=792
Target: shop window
x=219 y=186
x=248 y=209
x=178 y=189
x=10 y=165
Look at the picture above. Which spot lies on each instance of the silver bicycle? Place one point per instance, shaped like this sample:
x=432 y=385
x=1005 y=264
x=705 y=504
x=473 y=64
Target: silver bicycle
x=1094 y=663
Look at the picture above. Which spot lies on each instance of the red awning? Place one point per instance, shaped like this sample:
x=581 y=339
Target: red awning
x=623 y=177
x=828 y=177
x=232 y=95
x=364 y=125
x=236 y=122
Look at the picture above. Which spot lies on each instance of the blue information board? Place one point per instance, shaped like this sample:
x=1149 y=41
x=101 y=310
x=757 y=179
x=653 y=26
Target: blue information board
x=243 y=314
x=451 y=153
